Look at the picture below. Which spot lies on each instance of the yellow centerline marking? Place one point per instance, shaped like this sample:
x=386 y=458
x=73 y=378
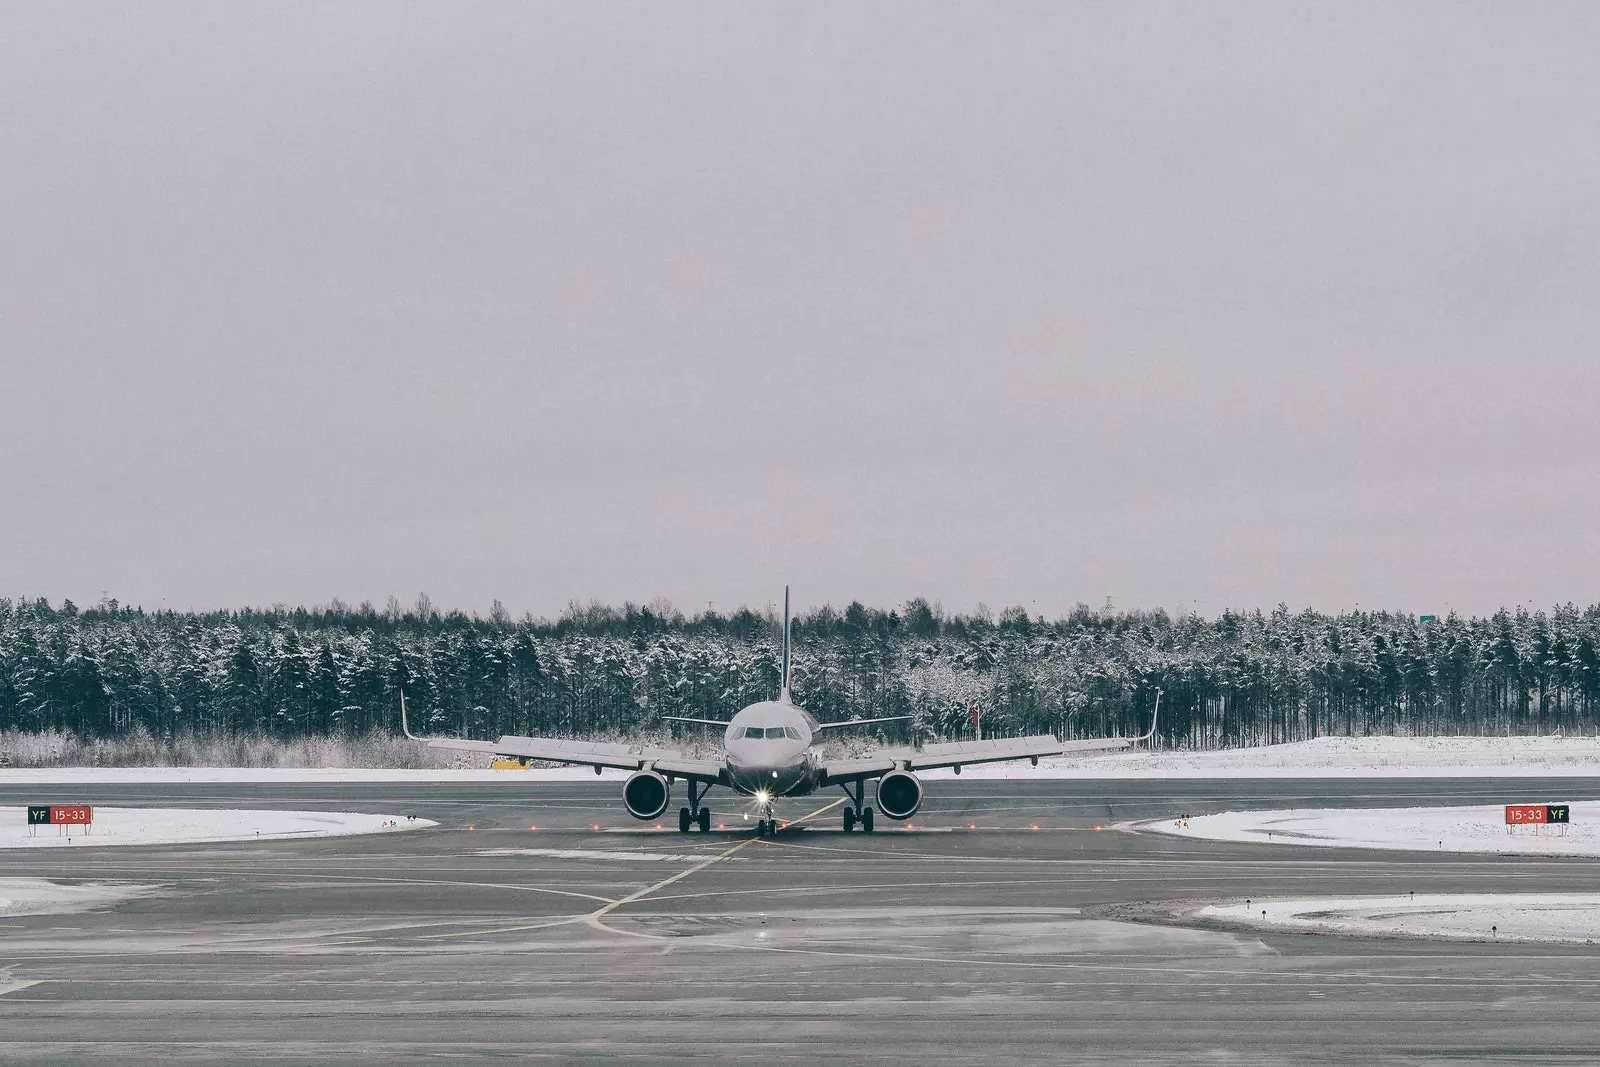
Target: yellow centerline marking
x=594 y=917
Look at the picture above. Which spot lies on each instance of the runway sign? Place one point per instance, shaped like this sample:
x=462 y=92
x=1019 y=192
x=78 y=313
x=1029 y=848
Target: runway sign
x=1535 y=814
x=60 y=814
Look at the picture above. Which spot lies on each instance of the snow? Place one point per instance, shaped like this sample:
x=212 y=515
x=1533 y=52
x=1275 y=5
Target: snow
x=1325 y=757
x=1332 y=757
x=163 y=826
x=40 y=896
x=280 y=775
x=1474 y=828
x=1570 y=917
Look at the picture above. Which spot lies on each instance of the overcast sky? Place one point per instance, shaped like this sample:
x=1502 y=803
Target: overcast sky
x=1190 y=306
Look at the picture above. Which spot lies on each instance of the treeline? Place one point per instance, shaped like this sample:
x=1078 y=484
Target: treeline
x=1241 y=678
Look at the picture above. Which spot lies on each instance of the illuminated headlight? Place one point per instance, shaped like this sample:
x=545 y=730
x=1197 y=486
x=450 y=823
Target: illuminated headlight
x=762 y=796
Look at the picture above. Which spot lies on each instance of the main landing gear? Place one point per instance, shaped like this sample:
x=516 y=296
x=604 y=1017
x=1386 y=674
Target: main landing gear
x=860 y=813
x=694 y=814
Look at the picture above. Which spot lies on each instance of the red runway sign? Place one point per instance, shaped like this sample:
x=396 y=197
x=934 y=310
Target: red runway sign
x=60 y=814
x=1526 y=814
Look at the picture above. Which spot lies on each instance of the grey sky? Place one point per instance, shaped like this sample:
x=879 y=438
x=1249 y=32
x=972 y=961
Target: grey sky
x=1223 y=305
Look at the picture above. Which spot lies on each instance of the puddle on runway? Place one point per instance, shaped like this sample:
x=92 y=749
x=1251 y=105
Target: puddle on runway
x=1007 y=932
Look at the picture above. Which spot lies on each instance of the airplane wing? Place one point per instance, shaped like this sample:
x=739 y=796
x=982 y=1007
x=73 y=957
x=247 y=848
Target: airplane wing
x=594 y=754
x=961 y=753
x=953 y=754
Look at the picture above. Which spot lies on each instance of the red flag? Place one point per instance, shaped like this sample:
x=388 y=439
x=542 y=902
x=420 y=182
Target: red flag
x=974 y=715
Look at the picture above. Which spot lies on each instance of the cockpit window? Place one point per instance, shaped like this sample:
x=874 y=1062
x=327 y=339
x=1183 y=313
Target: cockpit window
x=772 y=732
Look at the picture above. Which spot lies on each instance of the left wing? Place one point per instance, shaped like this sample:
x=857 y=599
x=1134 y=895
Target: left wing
x=960 y=753
x=952 y=754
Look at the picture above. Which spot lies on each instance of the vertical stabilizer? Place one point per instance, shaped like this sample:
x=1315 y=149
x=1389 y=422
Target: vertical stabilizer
x=783 y=695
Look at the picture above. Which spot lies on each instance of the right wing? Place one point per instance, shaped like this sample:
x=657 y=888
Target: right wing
x=596 y=754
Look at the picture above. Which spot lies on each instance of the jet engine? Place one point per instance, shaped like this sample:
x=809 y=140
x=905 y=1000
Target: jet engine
x=646 y=794
x=899 y=794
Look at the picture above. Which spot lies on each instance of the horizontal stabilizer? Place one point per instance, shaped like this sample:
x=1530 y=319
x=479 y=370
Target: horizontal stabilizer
x=860 y=722
x=697 y=722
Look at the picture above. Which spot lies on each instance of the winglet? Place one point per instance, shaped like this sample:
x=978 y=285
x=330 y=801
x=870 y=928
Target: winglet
x=1148 y=734
x=783 y=694
x=405 y=727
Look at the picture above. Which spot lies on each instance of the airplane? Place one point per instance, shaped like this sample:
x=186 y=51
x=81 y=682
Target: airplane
x=770 y=751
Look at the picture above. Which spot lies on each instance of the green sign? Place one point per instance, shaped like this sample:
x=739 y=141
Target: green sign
x=1557 y=813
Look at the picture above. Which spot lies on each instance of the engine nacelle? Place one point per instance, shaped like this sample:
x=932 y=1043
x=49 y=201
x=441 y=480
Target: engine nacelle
x=899 y=794
x=646 y=794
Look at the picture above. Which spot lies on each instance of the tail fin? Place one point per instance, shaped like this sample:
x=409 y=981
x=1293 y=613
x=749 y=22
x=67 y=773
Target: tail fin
x=783 y=695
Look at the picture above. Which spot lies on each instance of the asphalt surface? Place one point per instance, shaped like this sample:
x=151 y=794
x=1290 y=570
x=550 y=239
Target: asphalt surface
x=972 y=937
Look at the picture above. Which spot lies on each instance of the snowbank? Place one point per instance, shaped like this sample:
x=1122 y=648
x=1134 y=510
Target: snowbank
x=1477 y=828
x=1568 y=917
x=39 y=896
x=1325 y=757
x=165 y=826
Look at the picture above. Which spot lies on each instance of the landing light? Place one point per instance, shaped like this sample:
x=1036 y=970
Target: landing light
x=763 y=796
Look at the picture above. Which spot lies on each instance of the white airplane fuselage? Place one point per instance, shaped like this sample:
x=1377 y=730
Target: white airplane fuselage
x=768 y=750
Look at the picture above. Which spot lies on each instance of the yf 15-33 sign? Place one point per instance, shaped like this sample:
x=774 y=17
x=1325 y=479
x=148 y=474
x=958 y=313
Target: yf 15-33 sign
x=1536 y=814
x=60 y=814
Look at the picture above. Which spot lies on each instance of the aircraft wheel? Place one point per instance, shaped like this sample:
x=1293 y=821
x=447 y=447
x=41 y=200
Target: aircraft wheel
x=705 y=820
x=683 y=820
x=866 y=820
x=849 y=818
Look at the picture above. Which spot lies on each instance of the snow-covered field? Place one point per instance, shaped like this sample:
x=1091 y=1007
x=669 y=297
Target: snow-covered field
x=163 y=826
x=1477 y=828
x=1326 y=757
x=1338 y=757
x=1487 y=916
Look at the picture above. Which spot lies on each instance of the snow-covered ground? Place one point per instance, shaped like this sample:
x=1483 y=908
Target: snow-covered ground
x=1487 y=916
x=40 y=896
x=163 y=826
x=1335 y=757
x=1477 y=828
x=259 y=775
x=1326 y=757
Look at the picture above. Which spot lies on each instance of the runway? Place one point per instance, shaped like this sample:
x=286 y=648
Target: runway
x=971 y=937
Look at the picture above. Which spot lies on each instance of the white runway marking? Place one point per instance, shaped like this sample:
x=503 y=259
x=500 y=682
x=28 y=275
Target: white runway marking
x=588 y=854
